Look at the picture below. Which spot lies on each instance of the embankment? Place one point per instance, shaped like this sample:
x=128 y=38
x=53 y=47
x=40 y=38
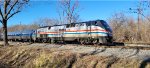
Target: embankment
x=41 y=57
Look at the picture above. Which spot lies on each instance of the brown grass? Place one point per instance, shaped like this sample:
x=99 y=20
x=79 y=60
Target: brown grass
x=39 y=57
x=126 y=29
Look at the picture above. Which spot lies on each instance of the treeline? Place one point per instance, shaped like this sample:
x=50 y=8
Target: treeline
x=33 y=25
x=128 y=29
x=22 y=27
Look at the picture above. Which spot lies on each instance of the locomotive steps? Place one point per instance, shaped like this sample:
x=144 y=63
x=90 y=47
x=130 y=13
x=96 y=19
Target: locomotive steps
x=68 y=56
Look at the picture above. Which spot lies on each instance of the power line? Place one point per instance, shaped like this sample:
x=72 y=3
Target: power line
x=139 y=12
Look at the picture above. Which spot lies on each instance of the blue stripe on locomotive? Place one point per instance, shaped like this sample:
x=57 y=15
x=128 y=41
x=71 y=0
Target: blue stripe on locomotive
x=87 y=33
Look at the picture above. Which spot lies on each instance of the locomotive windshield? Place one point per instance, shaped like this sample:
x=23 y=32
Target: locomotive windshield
x=106 y=26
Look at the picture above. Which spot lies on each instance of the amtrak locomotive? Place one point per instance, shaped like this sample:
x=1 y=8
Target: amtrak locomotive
x=96 y=32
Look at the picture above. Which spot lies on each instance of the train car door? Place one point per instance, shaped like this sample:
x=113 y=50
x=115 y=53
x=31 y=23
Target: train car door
x=77 y=27
x=61 y=32
x=82 y=30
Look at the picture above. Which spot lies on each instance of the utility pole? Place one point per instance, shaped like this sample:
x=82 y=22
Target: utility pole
x=20 y=26
x=138 y=11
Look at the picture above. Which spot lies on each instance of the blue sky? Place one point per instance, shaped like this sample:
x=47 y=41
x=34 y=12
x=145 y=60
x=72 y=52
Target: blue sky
x=90 y=10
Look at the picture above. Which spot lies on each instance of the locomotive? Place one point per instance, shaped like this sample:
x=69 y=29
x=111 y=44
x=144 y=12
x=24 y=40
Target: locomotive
x=96 y=32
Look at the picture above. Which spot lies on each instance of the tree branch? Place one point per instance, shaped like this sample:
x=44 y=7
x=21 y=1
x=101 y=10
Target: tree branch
x=13 y=14
x=8 y=1
x=1 y=21
x=12 y=7
x=1 y=14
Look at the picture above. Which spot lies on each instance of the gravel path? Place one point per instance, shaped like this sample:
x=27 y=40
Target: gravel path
x=101 y=51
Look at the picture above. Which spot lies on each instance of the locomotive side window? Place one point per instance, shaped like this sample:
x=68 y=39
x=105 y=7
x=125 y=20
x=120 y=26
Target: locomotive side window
x=77 y=25
x=49 y=28
x=67 y=26
x=72 y=25
x=82 y=24
x=39 y=31
x=62 y=29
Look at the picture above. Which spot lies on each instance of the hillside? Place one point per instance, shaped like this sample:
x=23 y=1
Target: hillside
x=57 y=56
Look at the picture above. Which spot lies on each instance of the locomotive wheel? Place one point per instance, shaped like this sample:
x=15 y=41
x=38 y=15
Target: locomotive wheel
x=102 y=41
x=82 y=42
x=44 y=40
x=95 y=42
x=52 y=41
x=49 y=40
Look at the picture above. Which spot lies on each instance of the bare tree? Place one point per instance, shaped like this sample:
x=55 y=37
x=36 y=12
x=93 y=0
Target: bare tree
x=32 y=26
x=68 y=10
x=9 y=8
x=45 y=22
x=118 y=22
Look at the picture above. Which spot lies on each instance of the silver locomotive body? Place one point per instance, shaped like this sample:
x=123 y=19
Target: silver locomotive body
x=97 y=31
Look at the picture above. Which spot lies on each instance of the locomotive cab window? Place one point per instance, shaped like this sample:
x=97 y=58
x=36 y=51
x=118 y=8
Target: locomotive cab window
x=93 y=23
x=99 y=24
x=70 y=25
x=88 y=24
x=62 y=29
x=96 y=23
x=106 y=26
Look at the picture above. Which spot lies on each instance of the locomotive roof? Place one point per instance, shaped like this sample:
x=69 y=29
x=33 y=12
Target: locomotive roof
x=87 y=22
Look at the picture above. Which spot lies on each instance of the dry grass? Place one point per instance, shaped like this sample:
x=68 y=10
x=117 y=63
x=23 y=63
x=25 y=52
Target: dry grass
x=127 y=29
x=39 y=57
x=55 y=60
x=18 y=56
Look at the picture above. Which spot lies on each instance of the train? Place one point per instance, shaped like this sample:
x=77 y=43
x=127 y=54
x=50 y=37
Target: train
x=95 y=32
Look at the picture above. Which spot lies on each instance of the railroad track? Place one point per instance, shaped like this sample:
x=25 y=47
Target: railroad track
x=144 y=46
